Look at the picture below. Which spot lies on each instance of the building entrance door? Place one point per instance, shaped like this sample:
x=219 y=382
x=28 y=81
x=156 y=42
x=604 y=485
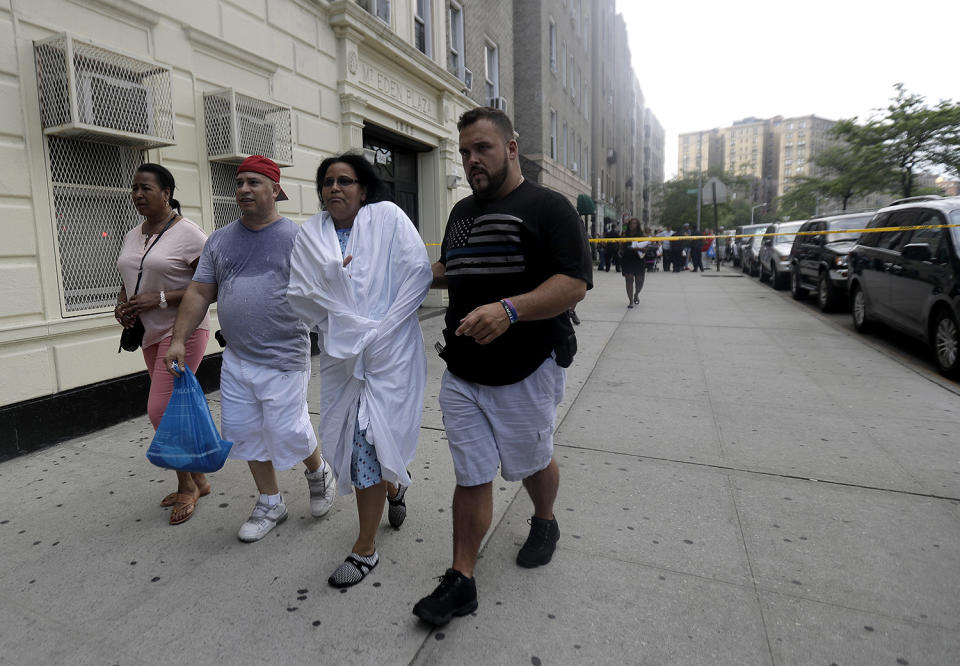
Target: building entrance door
x=395 y=161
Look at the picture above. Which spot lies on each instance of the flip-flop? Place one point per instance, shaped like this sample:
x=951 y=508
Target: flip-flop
x=188 y=501
x=172 y=497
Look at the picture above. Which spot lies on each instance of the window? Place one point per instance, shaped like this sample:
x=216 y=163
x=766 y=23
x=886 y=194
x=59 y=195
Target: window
x=93 y=212
x=455 y=57
x=553 y=45
x=932 y=237
x=563 y=64
x=422 y=26
x=586 y=101
x=492 y=68
x=379 y=8
x=573 y=84
x=565 y=136
x=553 y=134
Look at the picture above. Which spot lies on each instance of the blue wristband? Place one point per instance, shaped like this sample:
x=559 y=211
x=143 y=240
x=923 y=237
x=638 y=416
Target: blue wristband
x=511 y=311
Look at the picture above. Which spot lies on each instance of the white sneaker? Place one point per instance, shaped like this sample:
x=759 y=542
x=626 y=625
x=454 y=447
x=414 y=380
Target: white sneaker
x=263 y=519
x=323 y=489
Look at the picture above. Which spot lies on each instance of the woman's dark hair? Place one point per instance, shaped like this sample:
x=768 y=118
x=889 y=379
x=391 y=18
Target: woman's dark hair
x=366 y=175
x=164 y=180
x=625 y=232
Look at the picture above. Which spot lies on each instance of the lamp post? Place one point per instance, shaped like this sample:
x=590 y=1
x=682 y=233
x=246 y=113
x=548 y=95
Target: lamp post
x=753 y=208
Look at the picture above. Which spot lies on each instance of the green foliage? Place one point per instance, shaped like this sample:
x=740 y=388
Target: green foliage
x=678 y=206
x=906 y=138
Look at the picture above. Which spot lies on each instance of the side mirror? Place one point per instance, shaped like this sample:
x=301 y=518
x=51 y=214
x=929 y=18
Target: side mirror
x=917 y=252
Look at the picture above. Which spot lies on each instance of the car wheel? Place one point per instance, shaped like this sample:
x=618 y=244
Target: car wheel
x=779 y=280
x=743 y=268
x=946 y=340
x=858 y=308
x=826 y=298
x=799 y=293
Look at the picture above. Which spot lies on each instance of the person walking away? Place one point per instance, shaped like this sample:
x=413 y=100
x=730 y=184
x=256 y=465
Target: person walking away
x=156 y=263
x=632 y=262
x=507 y=342
x=696 y=250
x=245 y=268
x=358 y=272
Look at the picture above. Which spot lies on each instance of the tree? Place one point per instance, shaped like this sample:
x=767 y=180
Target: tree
x=677 y=202
x=908 y=137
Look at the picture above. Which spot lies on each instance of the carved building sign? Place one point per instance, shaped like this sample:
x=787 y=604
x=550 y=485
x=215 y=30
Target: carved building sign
x=392 y=87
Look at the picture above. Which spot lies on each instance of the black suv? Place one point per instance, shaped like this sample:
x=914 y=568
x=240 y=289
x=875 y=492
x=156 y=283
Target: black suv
x=910 y=279
x=818 y=261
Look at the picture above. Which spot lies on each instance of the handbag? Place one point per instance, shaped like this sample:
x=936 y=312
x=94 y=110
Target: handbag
x=131 y=338
x=187 y=440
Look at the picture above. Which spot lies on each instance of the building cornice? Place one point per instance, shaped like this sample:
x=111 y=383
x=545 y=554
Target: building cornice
x=224 y=50
x=352 y=22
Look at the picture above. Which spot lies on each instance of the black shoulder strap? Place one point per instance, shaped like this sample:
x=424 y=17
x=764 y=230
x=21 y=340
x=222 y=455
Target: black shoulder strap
x=155 y=241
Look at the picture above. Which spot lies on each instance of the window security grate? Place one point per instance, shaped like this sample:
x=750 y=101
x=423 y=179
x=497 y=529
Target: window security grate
x=87 y=91
x=93 y=211
x=239 y=126
x=223 y=178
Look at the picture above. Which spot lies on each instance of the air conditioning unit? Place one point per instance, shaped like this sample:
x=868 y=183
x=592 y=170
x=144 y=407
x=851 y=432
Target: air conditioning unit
x=498 y=103
x=467 y=79
x=573 y=167
x=611 y=155
x=238 y=126
x=90 y=91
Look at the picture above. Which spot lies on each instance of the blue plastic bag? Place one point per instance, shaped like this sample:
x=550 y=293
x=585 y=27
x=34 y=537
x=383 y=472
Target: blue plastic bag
x=711 y=251
x=187 y=440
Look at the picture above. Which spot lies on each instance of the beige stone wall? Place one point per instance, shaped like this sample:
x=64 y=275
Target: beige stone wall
x=333 y=64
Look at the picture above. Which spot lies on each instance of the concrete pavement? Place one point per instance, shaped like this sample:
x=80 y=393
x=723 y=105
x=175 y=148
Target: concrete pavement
x=742 y=482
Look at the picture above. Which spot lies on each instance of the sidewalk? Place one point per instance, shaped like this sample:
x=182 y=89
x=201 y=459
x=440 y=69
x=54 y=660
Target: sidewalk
x=741 y=483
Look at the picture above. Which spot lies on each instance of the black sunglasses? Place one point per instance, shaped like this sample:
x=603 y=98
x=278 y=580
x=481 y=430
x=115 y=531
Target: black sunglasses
x=342 y=181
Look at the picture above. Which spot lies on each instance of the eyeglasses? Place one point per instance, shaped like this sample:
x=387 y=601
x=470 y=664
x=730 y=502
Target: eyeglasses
x=342 y=181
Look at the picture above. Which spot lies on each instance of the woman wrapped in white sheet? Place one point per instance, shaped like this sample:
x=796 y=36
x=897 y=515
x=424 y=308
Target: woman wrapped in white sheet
x=358 y=273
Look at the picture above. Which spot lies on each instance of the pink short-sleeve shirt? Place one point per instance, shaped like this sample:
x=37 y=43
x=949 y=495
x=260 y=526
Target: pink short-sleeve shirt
x=166 y=267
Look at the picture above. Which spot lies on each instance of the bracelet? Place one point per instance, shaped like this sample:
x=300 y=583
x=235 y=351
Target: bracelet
x=510 y=310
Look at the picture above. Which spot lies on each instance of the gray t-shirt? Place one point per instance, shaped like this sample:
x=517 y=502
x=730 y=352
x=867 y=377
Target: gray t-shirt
x=251 y=270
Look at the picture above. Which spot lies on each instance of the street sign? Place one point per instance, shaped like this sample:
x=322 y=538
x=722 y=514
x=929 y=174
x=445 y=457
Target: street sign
x=693 y=191
x=714 y=185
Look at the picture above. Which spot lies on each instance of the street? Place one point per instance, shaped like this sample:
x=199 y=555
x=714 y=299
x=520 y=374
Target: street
x=744 y=480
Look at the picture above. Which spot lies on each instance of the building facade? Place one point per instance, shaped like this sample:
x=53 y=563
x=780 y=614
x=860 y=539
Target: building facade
x=803 y=138
x=552 y=68
x=93 y=89
x=654 y=163
x=699 y=150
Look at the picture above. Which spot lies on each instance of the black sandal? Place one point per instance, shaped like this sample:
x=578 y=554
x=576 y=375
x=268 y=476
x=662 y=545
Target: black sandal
x=352 y=570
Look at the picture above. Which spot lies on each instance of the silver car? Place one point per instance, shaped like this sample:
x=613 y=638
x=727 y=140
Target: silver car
x=774 y=255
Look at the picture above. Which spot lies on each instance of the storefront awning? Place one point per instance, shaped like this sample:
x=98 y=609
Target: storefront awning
x=586 y=205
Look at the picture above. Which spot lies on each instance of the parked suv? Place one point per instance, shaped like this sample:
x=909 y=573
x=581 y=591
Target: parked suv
x=818 y=261
x=910 y=279
x=774 y=257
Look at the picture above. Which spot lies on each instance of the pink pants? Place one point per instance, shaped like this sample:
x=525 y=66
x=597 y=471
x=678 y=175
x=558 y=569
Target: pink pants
x=161 y=381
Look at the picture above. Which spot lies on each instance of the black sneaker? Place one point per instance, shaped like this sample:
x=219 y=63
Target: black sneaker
x=573 y=317
x=541 y=542
x=456 y=595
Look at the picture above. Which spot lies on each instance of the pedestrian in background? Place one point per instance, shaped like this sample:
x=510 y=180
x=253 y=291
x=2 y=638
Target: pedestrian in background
x=632 y=261
x=245 y=268
x=507 y=342
x=358 y=273
x=611 y=256
x=156 y=263
x=697 y=249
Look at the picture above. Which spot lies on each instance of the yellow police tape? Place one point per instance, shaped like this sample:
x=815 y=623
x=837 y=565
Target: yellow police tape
x=660 y=239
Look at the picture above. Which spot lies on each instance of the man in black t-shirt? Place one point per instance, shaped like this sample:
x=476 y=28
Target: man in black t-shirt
x=514 y=258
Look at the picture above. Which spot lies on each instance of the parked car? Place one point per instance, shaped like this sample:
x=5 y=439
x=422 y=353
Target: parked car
x=774 y=256
x=818 y=262
x=910 y=279
x=750 y=247
x=739 y=243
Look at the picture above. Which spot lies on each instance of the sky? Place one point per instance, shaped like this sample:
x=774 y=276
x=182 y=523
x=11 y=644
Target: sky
x=706 y=64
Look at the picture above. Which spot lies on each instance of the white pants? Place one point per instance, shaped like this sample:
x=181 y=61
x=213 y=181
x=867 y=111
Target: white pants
x=264 y=413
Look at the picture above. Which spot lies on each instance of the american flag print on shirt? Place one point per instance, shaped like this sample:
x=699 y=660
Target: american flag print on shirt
x=484 y=245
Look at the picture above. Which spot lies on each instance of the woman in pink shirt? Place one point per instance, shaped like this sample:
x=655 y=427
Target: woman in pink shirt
x=169 y=247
